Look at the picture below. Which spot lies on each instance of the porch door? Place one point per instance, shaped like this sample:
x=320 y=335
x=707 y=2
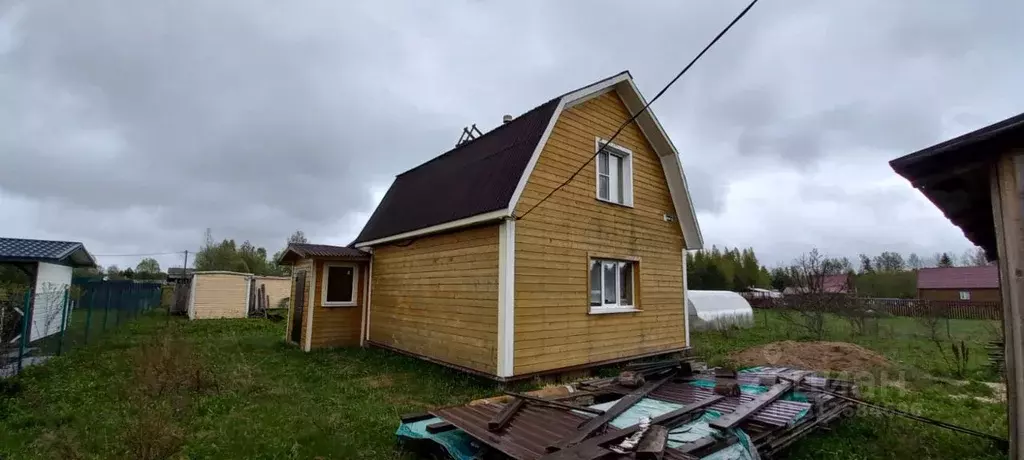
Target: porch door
x=300 y=306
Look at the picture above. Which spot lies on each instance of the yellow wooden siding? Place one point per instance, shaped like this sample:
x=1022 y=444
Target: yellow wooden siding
x=278 y=288
x=438 y=297
x=553 y=327
x=300 y=265
x=220 y=296
x=336 y=326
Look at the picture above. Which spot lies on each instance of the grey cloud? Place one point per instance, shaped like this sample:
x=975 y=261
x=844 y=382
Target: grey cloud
x=146 y=123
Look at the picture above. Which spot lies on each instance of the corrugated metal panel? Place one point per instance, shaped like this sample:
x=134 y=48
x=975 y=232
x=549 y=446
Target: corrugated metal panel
x=778 y=413
x=326 y=250
x=525 y=437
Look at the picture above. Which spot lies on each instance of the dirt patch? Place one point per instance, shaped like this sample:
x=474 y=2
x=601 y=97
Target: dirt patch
x=819 y=356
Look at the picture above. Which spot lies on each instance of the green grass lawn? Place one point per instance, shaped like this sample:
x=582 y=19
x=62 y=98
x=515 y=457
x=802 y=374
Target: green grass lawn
x=159 y=388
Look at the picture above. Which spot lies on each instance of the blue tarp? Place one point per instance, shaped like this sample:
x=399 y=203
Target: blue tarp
x=458 y=444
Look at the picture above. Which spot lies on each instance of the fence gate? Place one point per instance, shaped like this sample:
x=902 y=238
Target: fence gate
x=300 y=304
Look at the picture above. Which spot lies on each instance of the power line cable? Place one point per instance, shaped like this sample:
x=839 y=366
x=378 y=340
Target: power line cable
x=139 y=255
x=642 y=110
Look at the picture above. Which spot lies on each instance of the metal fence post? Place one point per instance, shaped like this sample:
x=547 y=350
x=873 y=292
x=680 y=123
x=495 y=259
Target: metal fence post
x=26 y=319
x=88 y=315
x=66 y=305
x=120 y=306
x=106 y=309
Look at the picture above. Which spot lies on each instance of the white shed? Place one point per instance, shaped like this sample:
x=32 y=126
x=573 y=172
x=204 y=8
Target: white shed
x=48 y=265
x=717 y=310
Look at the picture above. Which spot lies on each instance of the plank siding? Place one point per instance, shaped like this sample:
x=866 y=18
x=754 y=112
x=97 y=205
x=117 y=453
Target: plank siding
x=438 y=297
x=553 y=327
x=336 y=326
x=953 y=295
x=300 y=265
x=220 y=295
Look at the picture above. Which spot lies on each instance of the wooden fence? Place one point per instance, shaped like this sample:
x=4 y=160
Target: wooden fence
x=900 y=307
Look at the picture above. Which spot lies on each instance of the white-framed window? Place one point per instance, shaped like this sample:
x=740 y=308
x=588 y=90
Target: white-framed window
x=965 y=295
x=614 y=173
x=611 y=285
x=339 y=284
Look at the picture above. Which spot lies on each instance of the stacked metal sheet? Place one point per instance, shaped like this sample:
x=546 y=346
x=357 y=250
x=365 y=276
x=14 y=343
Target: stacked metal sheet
x=608 y=419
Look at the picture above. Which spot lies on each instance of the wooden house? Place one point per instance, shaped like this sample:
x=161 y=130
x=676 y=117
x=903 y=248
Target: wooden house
x=962 y=284
x=534 y=248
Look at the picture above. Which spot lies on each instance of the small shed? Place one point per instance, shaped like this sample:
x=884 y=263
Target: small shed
x=47 y=265
x=219 y=294
x=717 y=310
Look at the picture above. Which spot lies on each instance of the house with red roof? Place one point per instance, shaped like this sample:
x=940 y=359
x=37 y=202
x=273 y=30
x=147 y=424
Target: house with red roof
x=968 y=284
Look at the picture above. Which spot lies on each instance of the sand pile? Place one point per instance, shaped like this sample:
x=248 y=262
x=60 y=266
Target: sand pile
x=819 y=356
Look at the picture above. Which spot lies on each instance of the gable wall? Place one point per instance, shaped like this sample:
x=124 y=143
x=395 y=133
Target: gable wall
x=438 y=297
x=553 y=328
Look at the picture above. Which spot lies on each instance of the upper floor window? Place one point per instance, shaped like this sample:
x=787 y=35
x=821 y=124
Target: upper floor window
x=614 y=173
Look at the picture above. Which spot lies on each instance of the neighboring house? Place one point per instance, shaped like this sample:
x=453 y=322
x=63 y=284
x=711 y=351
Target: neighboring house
x=831 y=284
x=178 y=274
x=969 y=284
x=48 y=265
x=457 y=266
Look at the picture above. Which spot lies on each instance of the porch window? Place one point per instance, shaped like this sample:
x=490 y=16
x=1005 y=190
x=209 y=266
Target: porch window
x=611 y=285
x=614 y=174
x=339 y=285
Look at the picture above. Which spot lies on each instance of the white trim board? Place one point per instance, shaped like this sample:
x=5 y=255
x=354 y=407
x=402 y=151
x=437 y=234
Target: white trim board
x=364 y=332
x=530 y=165
x=464 y=222
x=310 y=306
x=506 y=298
x=248 y=294
x=686 y=304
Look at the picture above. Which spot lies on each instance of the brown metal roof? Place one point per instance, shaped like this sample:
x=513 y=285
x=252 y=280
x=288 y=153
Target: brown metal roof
x=526 y=436
x=476 y=177
x=778 y=413
x=304 y=250
x=984 y=277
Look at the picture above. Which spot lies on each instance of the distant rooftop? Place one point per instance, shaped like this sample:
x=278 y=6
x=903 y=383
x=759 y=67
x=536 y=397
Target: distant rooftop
x=984 y=277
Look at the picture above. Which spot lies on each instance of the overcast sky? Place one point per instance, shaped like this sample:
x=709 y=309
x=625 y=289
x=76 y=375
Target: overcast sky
x=133 y=126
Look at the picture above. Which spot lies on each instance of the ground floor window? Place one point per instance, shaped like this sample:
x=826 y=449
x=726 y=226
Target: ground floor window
x=339 y=285
x=965 y=295
x=611 y=284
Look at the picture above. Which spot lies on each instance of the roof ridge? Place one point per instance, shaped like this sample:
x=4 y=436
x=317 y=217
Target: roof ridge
x=488 y=133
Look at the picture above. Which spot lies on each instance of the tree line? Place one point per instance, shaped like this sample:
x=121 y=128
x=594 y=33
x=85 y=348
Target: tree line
x=725 y=269
x=246 y=257
x=224 y=255
x=887 y=275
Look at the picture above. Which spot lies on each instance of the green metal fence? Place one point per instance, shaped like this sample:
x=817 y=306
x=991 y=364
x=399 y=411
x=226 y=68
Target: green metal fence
x=49 y=323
